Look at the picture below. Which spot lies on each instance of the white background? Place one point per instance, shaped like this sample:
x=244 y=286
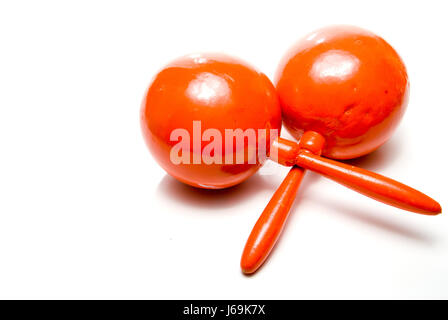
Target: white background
x=85 y=212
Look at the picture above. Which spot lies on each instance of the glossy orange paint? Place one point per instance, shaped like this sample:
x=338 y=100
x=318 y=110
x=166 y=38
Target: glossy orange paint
x=371 y=184
x=269 y=226
x=346 y=83
x=223 y=93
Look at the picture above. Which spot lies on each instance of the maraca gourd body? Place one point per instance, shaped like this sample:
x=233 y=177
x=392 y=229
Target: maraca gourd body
x=345 y=83
x=216 y=92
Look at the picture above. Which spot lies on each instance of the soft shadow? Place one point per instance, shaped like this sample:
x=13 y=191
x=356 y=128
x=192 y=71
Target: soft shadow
x=215 y=199
x=370 y=219
x=309 y=179
x=382 y=157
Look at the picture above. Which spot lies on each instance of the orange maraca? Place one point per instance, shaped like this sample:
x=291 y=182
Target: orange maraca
x=343 y=90
x=195 y=101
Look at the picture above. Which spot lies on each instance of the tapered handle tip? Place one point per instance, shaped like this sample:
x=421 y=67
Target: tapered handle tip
x=249 y=265
x=437 y=209
x=419 y=202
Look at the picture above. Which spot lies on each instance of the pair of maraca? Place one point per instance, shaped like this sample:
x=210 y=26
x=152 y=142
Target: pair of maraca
x=341 y=91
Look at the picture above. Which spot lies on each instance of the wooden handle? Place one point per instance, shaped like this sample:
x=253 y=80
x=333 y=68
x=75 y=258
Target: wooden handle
x=269 y=226
x=266 y=231
x=370 y=184
x=306 y=155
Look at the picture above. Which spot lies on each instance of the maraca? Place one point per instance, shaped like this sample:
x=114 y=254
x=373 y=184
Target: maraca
x=343 y=91
x=204 y=93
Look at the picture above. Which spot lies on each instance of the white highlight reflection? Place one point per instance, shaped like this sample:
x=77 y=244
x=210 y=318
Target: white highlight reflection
x=207 y=87
x=334 y=65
